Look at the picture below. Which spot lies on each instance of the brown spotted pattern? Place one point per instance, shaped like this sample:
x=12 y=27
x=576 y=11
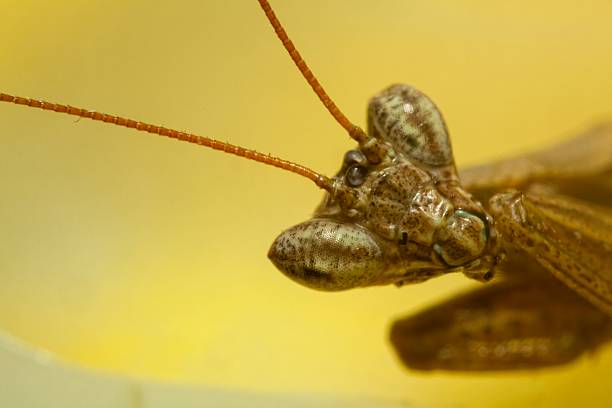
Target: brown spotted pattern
x=464 y=234
x=385 y=197
x=570 y=240
x=412 y=124
x=328 y=255
x=402 y=216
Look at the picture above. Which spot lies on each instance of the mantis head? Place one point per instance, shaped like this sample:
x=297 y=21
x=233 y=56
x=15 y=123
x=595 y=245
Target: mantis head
x=395 y=212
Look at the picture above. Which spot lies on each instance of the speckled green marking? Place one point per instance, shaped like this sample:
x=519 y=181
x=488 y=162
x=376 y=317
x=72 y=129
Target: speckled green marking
x=411 y=122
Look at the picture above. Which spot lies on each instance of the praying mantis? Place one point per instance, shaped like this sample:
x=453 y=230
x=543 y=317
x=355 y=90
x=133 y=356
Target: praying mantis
x=444 y=356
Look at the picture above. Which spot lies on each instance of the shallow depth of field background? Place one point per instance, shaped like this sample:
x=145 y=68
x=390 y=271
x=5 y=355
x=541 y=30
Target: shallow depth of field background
x=139 y=255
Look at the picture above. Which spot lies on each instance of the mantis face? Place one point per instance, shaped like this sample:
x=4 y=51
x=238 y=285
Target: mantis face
x=396 y=213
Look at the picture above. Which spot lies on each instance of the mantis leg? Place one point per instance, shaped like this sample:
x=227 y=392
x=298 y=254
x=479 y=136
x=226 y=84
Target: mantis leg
x=569 y=239
x=508 y=325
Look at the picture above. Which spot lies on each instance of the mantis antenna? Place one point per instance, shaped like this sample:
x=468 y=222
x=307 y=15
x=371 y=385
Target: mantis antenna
x=353 y=130
x=320 y=180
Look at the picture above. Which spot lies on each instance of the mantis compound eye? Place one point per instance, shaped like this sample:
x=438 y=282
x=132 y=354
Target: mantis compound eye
x=328 y=255
x=464 y=238
x=356 y=175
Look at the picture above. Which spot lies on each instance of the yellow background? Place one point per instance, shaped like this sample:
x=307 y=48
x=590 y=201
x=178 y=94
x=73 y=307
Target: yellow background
x=145 y=256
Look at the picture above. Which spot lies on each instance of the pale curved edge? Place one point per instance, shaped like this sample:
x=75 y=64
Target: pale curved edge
x=583 y=156
x=31 y=378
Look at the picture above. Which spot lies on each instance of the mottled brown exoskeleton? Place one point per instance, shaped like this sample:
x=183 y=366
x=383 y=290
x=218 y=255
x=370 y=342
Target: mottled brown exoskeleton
x=538 y=228
x=400 y=213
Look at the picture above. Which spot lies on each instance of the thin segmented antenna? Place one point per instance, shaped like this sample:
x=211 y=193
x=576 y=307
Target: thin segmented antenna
x=353 y=130
x=319 y=179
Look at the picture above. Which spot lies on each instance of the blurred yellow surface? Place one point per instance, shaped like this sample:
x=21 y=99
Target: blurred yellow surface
x=146 y=256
